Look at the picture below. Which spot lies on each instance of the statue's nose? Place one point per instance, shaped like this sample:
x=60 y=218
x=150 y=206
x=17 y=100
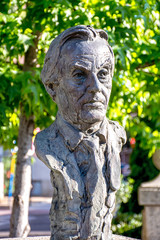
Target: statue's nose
x=94 y=84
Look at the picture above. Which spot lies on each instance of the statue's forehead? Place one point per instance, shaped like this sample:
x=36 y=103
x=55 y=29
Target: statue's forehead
x=80 y=47
x=90 y=61
x=86 y=54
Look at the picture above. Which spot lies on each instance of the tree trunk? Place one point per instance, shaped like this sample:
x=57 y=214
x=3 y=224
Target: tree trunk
x=19 y=226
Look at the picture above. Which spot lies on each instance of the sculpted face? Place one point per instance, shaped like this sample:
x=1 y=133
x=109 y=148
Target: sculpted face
x=84 y=88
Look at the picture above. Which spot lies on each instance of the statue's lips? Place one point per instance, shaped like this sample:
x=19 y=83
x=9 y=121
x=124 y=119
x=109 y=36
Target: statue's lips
x=94 y=104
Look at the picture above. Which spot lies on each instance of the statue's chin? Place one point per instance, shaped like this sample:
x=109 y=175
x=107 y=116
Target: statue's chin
x=92 y=116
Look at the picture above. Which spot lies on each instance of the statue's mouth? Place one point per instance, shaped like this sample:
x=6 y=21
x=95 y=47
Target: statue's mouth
x=93 y=101
x=94 y=104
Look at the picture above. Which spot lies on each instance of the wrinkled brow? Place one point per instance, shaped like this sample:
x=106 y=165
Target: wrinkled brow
x=82 y=64
x=107 y=63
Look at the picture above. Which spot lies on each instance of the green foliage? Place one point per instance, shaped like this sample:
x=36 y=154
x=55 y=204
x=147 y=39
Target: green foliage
x=126 y=223
x=124 y=193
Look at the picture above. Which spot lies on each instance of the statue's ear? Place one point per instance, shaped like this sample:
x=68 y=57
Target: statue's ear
x=51 y=89
x=102 y=34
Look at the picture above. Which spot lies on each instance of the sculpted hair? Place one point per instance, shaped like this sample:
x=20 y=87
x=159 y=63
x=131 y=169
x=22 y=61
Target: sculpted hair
x=51 y=70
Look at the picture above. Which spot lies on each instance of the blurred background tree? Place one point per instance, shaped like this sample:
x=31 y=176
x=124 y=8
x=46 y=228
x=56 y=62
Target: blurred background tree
x=27 y=28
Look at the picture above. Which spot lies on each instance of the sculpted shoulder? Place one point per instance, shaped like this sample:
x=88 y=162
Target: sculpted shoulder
x=116 y=139
x=42 y=141
x=48 y=133
x=118 y=131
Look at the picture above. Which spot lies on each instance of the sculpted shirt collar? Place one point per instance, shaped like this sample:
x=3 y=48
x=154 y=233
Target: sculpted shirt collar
x=73 y=136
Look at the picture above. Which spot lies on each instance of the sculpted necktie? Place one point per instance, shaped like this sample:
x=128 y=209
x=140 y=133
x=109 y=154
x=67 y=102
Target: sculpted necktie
x=91 y=162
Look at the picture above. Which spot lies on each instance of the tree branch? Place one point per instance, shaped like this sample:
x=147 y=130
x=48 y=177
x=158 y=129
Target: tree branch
x=147 y=64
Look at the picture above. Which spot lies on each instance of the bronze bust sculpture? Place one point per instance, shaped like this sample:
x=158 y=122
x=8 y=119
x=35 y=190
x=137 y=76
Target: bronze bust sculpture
x=82 y=146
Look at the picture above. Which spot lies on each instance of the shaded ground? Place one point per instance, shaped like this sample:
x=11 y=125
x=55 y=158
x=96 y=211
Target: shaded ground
x=38 y=217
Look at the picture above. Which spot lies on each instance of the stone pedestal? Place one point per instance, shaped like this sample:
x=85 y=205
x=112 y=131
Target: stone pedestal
x=149 y=197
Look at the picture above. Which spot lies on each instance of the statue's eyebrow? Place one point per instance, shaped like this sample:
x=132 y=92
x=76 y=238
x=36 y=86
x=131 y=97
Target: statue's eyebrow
x=81 y=66
x=106 y=63
x=84 y=65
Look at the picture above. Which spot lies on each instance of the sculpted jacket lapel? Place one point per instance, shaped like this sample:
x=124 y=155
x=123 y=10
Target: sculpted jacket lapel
x=115 y=139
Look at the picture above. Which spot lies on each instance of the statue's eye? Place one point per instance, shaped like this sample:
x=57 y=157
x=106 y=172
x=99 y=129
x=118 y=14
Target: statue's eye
x=79 y=76
x=103 y=73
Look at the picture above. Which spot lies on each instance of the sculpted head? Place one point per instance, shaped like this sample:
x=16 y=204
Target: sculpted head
x=77 y=74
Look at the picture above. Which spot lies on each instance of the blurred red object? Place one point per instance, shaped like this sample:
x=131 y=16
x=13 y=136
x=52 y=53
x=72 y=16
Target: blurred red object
x=132 y=142
x=8 y=173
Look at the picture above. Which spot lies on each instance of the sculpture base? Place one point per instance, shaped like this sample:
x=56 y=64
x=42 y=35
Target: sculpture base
x=115 y=237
